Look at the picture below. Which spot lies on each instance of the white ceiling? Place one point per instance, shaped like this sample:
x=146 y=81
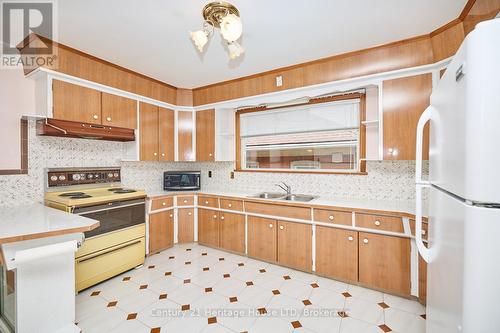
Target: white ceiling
x=151 y=36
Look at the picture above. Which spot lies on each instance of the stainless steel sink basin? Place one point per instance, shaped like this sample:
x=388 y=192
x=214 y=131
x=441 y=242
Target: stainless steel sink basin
x=269 y=195
x=299 y=197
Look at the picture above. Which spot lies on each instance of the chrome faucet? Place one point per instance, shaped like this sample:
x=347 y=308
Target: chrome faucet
x=285 y=187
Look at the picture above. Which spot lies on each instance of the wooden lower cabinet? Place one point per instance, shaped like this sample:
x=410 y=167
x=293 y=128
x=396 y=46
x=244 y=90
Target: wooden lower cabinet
x=422 y=280
x=232 y=232
x=185 y=225
x=295 y=245
x=208 y=227
x=262 y=238
x=384 y=262
x=161 y=231
x=337 y=253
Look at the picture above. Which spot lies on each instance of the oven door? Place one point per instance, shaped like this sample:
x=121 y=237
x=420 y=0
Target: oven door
x=114 y=215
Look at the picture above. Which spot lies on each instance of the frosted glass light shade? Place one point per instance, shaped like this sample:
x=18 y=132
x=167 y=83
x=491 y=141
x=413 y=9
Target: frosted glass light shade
x=235 y=50
x=231 y=27
x=200 y=39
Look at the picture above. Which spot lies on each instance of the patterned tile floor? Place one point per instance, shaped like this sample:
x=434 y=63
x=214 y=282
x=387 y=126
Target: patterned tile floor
x=192 y=288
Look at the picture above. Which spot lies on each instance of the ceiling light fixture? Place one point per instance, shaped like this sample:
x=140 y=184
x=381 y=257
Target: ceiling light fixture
x=226 y=17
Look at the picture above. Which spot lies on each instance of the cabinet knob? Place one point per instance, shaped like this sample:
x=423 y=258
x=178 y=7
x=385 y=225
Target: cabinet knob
x=222 y=217
x=230 y=205
x=171 y=215
x=95 y=116
x=377 y=223
x=185 y=201
x=206 y=202
x=210 y=154
x=108 y=118
x=365 y=240
x=190 y=213
x=270 y=225
x=330 y=217
x=282 y=227
x=215 y=216
x=163 y=203
x=350 y=238
x=163 y=154
x=155 y=154
x=423 y=232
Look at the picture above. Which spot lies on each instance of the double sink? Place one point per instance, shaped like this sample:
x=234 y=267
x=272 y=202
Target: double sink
x=284 y=197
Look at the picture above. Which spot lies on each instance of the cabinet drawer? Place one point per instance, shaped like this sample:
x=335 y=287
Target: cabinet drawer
x=379 y=222
x=230 y=204
x=333 y=216
x=185 y=200
x=162 y=203
x=301 y=213
x=208 y=201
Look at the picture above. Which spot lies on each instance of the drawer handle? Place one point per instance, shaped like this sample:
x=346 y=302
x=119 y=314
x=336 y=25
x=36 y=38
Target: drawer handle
x=365 y=240
x=270 y=225
x=206 y=202
x=222 y=217
x=350 y=238
x=282 y=227
x=230 y=205
x=377 y=223
x=163 y=203
x=330 y=217
x=108 y=252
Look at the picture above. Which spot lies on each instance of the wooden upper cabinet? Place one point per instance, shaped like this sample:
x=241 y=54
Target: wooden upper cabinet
x=205 y=135
x=119 y=111
x=262 y=238
x=337 y=253
x=232 y=232
x=208 y=227
x=166 y=134
x=295 y=245
x=75 y=103
x=185 y=135
x=384 y=262
x=404 y=101
x=148 y=128
x=161 y=231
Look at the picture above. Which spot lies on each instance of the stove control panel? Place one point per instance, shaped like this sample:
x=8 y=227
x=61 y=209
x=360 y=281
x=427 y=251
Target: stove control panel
x=68 y=177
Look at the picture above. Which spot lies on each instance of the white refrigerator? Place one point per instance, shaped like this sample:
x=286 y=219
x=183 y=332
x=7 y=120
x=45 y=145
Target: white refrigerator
x=463 y=252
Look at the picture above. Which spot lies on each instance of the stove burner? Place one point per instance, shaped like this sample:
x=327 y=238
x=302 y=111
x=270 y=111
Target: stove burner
x=121 y=191
x=115 y=189
x=71 y=194
x=81 y=196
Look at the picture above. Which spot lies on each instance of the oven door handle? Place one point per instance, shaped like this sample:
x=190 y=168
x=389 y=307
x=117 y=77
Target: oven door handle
x=109 y=251
x=109 y=208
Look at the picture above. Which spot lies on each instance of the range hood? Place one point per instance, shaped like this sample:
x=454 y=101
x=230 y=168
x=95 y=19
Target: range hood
x=74 y=129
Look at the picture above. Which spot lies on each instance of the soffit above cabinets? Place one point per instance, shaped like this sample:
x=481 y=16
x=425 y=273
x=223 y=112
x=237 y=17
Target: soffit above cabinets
x=151 y=37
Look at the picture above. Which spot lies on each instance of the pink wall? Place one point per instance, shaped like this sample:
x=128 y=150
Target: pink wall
x=17 y=97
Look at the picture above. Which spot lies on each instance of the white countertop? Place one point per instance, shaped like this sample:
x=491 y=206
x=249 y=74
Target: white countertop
x=25 y=222
x=396 y=206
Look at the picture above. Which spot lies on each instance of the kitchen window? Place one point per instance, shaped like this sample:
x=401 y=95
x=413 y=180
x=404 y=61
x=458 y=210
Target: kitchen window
x=314 y=137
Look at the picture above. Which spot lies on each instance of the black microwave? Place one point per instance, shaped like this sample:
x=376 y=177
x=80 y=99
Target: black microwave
x=181 y=180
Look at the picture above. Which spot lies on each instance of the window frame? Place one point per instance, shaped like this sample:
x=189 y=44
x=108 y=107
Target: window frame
x=361 y=145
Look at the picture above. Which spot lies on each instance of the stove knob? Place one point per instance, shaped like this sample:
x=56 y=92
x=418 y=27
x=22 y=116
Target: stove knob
x=110 y=175
x=96 y=175
x=76 y=176
x=116 y=174
x=62 y=177
x=53 y=178
x=82 y=176
x=90 y=176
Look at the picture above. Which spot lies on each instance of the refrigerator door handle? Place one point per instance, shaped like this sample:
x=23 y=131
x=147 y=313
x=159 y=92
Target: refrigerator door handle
x=424 y=119
x=422 y=249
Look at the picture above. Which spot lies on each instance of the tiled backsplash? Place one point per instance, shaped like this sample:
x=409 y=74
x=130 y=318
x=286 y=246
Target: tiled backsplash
x=386 y=180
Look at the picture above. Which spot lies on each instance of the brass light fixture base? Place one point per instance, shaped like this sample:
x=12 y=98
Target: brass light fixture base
x=215 y=11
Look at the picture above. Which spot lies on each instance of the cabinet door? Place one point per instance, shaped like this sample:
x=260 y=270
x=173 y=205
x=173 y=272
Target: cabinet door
x=185 y=135
x=205 y=135
x=119 y=111
x=232 y=232
x=208 y=227
x=161 y=231
x=337 y=253
x=262 y=238
x=295 y=245
x=185 y=225
x=166 y=134
x=75 y=103
x=148 y=123
x=384 y=262
x=404 y=101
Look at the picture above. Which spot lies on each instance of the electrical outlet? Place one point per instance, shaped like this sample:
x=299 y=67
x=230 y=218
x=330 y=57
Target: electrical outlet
x=210 y=174
x=279 y=81
x=232 y=175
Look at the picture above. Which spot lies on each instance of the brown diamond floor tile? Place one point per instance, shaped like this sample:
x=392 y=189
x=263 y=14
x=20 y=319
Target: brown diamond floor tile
x=206 y=269
x=188 y=249
x=156 y=330
x=204 y=254
x=187 y=281
x=162 y=296
x=126 y=278
x=241 y=264
x=306 y=302
x=171 y=257
x=346 y=294
x=144 y=286
x=262 y=270
x=385 y=328
x=383 y=305
x=185 y=307
x=249 y=283
x=276 y=292
x=424 y=316
x=131 y=316
x=314 y=285
x=233 y=299
x=342 y=314
x=111 y=304
x=221 y=259
x=168 y=273
x=212 y=320
x=95 y=293
x=187 y=263
x=208 y=290
x=286 y=277
x=226 y=276
x=151 y=267
x=262 y=310
x=296 y=324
